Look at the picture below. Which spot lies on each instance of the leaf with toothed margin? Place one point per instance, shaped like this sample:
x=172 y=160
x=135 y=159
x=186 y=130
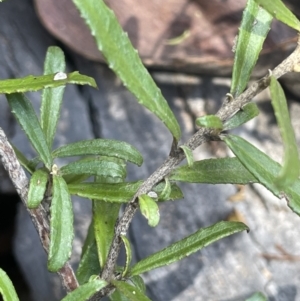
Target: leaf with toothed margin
x=252 y=33
x=279 y=11
x=52 y=97
x=125 y=61
x=291 y=165
x=35 y=83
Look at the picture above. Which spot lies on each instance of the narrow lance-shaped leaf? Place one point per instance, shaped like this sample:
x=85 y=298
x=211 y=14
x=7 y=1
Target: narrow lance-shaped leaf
x=128 y=254
x=187 y=246
x=118 y=193
x=130 y=291
x=188 y=154
x=280 y=12
x=61 y=225
x=35 y=83
x=149 y=209
x=89 y=261
x=37 y=188
x=85 y=291
x=124 y=60
x=93 y=166
x=105 y=215
x=291 y=166
x=210 y=121
x=7 y=289
x=252 y=33
x=52 y=97
x=214 y=171
x=257 y=297
x=248 y=112
x=23 y=110
x=103 y=147
x=264 y=169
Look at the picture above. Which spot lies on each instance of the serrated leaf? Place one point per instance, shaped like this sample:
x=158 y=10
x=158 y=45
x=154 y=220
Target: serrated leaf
x=149 y=209
x=35 y=83
x=264 y=169
x=257 y=297
x=124 y=60
x=37 y=188
x=130 y=291
x=94 y=166
x=187 y=246
x=119 y=192
x=138 y=282
x=214 y=171
x=85 y=291
x=188 y=154
x=291 y=165
x=23 y=110
x=7 y=289
x=166 y=192
x=104 y=147
x=248 y=112
x=89 y=261
x=128 y=254
x=23 y=160
x=280 y=12
x=104 y=217
x=252 y=33
x=61 y=225
x=210 y=121
x=52 y=97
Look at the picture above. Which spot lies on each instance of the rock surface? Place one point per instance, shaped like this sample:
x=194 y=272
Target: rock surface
x=265 y=260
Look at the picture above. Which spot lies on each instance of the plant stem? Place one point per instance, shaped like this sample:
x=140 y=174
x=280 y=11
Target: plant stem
x=228 y=109
x=38 y=216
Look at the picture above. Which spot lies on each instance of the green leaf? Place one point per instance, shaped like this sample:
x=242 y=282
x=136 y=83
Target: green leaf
x=128 y=254
x=7 y=289
x=210 y=121
x=94 y=166
x=117 y=296
x=280 y=12
x=187 y=246
x=248 y=112
x=188 y=154
x=257 y=297
x=252 y=33
x=104 y=217
x=89 y=261
x=35 y=83
x=214 y=171
x=104 y=147
x=165 y=194
x=52 y=97
x=129 y=291
x=124 y=60
x=149 y=209
x=22 y=108
x=37 y=188
x=73 y=179
x=138 y=282
x=264 y=169
x=119 y=192
x=291 y=166
x=23 y=160
x=61 y=225
x=33 y=163
x=85 y=291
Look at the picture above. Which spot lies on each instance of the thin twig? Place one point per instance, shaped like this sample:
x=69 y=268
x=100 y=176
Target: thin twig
x=38 y=216
x=228 y=109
